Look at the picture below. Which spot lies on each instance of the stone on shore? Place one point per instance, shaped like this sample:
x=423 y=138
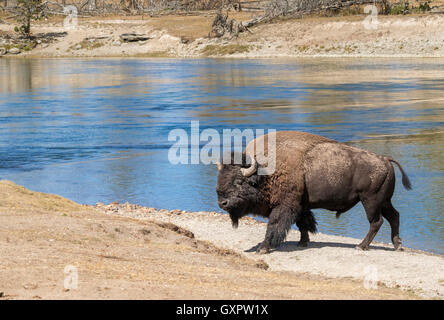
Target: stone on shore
x=133 y=37
x=14 y=51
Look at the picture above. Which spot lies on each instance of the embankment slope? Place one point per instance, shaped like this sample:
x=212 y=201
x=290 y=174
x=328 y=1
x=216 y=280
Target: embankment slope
x=120 y=255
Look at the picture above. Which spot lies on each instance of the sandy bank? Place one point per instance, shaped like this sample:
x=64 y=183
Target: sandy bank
x=129 y=252
x=179 y=36
x=326 y=255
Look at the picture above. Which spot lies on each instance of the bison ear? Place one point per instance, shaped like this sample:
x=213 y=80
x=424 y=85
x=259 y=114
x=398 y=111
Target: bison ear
x=219 y=166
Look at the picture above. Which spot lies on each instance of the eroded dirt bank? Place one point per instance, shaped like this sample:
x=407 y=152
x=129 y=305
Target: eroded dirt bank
x=326 y=255
x=130 y=252
x=187 y=36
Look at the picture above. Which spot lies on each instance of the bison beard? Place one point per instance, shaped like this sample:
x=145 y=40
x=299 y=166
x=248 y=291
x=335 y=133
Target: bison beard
x=311 y=172
x=234 y=221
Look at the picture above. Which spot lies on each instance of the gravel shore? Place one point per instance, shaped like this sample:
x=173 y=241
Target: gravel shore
x=326 y=255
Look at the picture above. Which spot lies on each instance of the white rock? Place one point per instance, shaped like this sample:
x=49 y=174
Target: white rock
x=14 y=51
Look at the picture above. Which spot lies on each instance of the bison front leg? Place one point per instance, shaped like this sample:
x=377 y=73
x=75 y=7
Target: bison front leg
x=280 y=221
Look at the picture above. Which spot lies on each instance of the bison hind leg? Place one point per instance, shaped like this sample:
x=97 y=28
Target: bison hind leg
x=392 y=215
x=306 y=220
x=306 y=223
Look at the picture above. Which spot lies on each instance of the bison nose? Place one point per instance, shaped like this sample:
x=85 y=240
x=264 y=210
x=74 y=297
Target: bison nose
x=224 y=203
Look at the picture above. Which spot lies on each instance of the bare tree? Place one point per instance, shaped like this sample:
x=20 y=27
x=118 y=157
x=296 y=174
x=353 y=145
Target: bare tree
x=222 y=25
x=92 y=5
x=10 y=3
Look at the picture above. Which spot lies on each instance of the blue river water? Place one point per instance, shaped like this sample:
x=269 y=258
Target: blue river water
x=96 y=130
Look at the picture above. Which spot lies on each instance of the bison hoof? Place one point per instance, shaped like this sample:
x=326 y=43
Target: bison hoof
x=302 y=244
x=397 y=244
x=361 y=248
x=263 y=249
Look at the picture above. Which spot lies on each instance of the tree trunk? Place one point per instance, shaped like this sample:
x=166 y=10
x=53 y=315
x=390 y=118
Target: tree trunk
x=11 y=3
x=92 y=5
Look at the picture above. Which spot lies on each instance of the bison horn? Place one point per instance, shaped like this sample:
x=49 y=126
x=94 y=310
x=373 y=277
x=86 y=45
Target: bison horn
x=219 y=166
x=247 y=172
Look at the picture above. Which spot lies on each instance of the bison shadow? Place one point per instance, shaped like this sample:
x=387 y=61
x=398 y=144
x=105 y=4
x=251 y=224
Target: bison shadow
x=289 y=246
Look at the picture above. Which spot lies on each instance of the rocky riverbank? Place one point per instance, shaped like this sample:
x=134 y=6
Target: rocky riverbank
x=187 y=36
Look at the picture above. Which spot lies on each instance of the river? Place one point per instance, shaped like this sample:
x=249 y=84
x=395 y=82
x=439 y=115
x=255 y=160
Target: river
x=96 y=130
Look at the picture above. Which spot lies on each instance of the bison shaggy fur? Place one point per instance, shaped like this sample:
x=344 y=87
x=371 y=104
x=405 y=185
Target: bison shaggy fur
x=310 y=172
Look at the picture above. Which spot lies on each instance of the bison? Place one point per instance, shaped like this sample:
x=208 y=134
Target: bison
x=310 y=172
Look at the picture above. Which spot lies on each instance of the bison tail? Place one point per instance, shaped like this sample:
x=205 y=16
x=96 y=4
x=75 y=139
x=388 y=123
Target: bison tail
x=405 y=180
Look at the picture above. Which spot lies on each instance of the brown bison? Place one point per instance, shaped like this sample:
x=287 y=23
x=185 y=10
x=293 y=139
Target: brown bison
x=310 y=172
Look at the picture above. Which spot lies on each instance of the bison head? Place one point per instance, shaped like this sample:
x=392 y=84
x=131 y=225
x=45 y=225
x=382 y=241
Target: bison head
x=238 y=190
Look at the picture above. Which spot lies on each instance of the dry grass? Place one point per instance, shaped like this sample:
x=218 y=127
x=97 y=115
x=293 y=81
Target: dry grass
x=87 y=45
x=190 y=27
x=153 y=54
x=221 y=50
x=14 y=197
